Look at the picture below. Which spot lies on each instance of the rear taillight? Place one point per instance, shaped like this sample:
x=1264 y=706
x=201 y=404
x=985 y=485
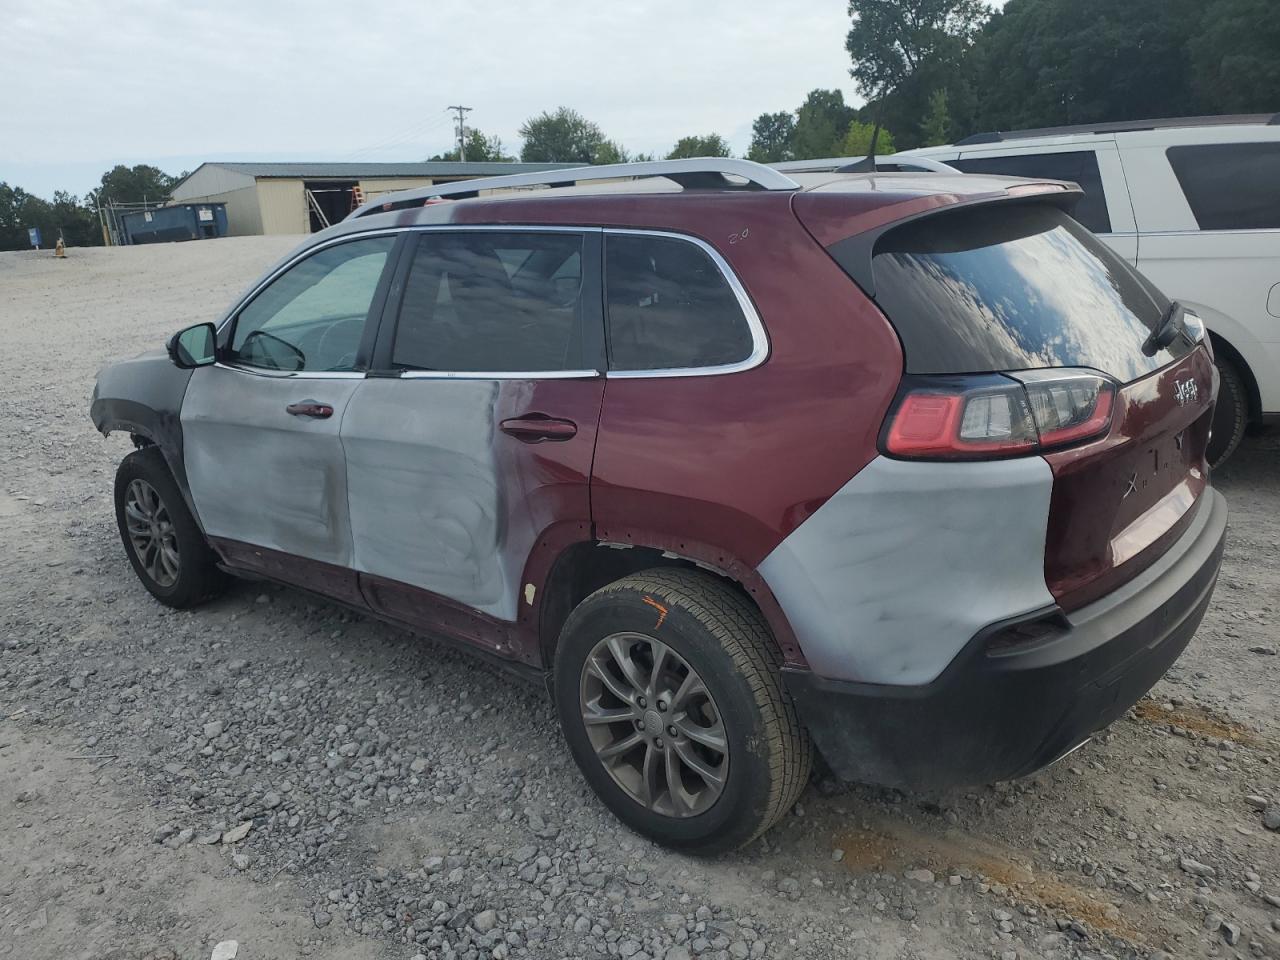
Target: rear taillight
x=997 y=415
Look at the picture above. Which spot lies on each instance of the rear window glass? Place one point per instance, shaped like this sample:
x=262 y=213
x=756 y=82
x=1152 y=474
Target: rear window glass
x=1230 y=186
x=670 y=307
x=1078 y=166
x=1015 y=287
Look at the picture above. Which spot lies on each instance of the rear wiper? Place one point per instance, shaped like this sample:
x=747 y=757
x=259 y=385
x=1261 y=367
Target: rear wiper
x=1166 y=330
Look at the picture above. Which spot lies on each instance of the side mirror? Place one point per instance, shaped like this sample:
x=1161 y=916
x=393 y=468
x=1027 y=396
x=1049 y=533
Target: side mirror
x=194 y=347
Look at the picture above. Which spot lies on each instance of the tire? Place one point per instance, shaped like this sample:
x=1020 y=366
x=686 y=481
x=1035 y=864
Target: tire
x=715 y=633
x=1230 y=416
x=185 y=573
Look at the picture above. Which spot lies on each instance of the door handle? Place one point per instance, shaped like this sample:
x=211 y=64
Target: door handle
x=310 y=408
x=536 y=427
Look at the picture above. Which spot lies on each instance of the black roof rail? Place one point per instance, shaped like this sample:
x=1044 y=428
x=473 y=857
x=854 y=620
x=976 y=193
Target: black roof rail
x=1122 y=126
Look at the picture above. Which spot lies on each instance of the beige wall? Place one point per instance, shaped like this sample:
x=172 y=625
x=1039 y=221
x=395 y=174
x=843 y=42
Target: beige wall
x=284 y=206
x=375 y=188
x=243 y=216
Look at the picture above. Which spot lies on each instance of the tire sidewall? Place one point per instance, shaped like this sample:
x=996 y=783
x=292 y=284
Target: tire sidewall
x=744 y=801
x=1232 y=399
x=148 y=464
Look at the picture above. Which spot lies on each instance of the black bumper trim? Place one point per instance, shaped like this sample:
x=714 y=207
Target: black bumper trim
x=997 y=715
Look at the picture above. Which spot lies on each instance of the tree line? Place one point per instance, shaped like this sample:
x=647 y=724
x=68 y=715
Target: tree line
x=931 y=72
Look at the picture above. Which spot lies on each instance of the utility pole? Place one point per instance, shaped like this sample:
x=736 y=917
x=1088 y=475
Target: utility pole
x=462 y=130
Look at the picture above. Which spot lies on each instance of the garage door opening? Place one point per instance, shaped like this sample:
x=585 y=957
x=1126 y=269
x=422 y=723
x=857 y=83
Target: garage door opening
x=328 y=201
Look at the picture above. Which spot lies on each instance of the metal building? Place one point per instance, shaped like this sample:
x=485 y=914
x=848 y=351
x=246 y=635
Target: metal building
x=306 y=197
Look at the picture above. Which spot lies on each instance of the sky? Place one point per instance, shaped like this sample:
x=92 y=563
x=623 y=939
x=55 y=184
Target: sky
x=90 y=85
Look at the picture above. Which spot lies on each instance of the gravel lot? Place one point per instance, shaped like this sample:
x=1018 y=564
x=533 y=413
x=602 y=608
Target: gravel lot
x=278 y=772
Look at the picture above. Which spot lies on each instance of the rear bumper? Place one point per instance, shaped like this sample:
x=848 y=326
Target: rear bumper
x=998 y=715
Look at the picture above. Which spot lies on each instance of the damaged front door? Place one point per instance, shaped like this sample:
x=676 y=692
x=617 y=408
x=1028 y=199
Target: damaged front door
x=260 y=427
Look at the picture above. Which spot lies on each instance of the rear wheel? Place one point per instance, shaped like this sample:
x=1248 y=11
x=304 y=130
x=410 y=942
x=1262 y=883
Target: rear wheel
x=1230 y=416
x=670 y=694
x=166 y=548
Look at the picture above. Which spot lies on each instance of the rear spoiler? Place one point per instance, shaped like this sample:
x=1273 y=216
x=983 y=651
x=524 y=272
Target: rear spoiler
x=854 y=252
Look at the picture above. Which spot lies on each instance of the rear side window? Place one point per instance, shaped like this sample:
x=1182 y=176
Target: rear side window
x=1079 y=166
x=670 y=307
x=1230 y=186
x=488 y=301
x=1015 y=287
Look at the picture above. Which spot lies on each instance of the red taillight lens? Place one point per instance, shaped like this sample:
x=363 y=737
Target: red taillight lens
x=987 y=416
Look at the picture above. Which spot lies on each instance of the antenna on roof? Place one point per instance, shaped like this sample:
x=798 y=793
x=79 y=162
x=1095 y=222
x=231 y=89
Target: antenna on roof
x=868 y=163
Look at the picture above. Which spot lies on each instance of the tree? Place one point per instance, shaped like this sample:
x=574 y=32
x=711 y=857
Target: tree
x=66 y=216
x=479 y=148
x=1235 y=57
x=771 y=136
x=821 y=124
x=936 y=126
x=712 y=145
x=857 y=141
x=890 y=40
x=135 y=184
x=1048 y=62
x=566 y=136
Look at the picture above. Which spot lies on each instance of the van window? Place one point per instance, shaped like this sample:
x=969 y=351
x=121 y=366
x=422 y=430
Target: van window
x=1015 y=287
x=489 y=301
x=1079 y=166
x=1230 y=186
x=669 y=306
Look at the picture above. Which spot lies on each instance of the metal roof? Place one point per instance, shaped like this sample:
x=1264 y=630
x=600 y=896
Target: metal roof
x=366 y=171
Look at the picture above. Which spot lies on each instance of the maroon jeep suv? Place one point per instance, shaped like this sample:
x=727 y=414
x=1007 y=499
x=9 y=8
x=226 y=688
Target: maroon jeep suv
x=907 y=468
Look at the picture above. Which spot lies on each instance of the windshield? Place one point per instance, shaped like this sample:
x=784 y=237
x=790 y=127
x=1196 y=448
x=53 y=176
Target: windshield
x=1013 y=287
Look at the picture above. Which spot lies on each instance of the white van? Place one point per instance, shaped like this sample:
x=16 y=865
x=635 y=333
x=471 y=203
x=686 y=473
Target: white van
x=1195 y=204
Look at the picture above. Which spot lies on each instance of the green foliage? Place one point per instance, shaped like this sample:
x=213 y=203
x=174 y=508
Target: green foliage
x=67 y=216
x=480 y=148
x=135 y=184
x=936 y=127
x=821 y=124
x=1235 y=56
x=857 y=141
x=1047 y=62
x=712 y=145
x=771 y=135
x=565 y=136
x=890 y=40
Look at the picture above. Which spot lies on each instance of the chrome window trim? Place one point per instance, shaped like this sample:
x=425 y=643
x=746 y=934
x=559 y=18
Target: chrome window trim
x=292 y=374
x=759 y=338
x=498 y=374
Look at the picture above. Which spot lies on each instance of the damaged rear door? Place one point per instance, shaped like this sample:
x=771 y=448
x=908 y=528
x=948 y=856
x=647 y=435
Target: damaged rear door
x=474 y=433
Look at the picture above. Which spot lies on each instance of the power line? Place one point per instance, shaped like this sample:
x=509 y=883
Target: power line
x=462 y=130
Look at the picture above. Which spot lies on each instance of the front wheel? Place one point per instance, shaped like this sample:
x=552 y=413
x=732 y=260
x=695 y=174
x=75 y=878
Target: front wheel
x=669 y=691
x=165 y=546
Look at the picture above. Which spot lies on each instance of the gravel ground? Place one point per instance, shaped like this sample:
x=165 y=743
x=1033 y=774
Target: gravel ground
x=275 y=771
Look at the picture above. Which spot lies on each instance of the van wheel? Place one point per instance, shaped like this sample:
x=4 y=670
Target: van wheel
x=1230 y=416
x=669 y=690
x=168 y=552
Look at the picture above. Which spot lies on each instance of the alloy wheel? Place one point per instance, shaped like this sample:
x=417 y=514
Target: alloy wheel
x=654 y=725
x=151 y=533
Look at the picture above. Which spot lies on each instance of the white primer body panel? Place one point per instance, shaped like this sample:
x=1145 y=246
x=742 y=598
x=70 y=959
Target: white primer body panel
x=893 y=575
x=262 y=476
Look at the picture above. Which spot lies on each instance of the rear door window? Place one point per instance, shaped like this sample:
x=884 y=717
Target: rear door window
x=670 y=307
x=1230 y=186
x=491 y=301
x=1013 y=287
x=1078 y=166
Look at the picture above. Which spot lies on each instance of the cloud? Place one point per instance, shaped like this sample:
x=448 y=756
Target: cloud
x=154 y=81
